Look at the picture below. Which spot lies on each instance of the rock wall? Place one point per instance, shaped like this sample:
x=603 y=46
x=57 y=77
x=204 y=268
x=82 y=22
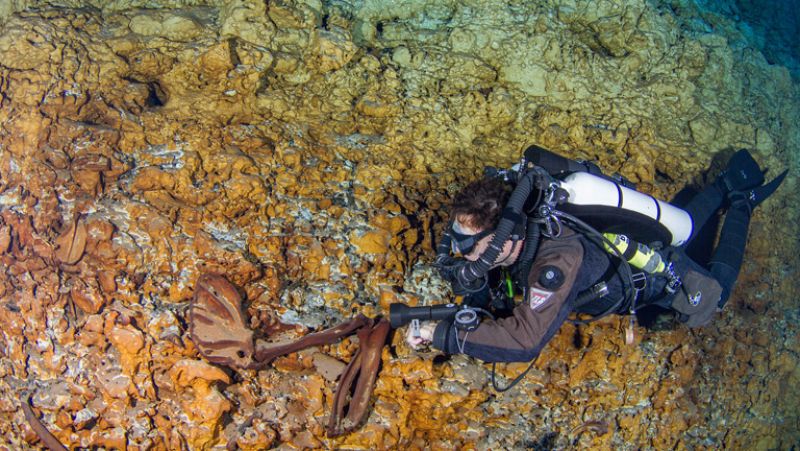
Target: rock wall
x=307 y=150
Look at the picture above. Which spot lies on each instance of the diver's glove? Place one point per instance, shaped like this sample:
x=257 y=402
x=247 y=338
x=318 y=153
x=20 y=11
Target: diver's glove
x=420 y=334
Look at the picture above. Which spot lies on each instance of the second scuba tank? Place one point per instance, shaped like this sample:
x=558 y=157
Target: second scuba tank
x=636 y=254
x=587 y=190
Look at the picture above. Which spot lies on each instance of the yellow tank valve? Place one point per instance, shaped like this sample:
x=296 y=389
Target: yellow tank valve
x=636 y=254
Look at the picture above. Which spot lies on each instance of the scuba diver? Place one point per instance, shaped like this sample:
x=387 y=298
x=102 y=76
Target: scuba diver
x=571 y=239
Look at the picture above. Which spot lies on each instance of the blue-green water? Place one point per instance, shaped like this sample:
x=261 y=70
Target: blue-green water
x=773 y=26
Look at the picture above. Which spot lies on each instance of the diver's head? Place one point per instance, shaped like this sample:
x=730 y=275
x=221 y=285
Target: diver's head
x=475 y=212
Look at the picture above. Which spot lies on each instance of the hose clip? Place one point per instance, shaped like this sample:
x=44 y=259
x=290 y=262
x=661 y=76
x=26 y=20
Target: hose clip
x=552 y=224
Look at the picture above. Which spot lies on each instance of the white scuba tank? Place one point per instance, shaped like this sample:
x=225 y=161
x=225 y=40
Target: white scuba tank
x=587 y=189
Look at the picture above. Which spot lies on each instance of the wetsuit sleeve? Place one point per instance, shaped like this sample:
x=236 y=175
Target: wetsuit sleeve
x=520 y=337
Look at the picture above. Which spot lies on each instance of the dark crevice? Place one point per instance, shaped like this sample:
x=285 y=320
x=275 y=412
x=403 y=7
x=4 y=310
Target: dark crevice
x=233 y=53
x=663 y=176
x=440 y=359
x=545 y=442
x=156 y=96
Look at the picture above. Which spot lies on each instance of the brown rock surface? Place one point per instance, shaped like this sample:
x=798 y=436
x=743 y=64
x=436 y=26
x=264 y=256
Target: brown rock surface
x=306 y=150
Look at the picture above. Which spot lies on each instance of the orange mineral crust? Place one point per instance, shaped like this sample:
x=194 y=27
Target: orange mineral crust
x=307 y=152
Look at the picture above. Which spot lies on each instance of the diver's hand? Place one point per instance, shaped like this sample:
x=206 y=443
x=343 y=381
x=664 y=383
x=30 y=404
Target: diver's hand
x=417 y=337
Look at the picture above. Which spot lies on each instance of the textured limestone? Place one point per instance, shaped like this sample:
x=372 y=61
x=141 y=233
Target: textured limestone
x=307 y=150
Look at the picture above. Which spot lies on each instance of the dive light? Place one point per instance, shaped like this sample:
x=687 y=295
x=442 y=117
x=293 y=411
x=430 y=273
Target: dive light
x=400 y=314
x=464 y=317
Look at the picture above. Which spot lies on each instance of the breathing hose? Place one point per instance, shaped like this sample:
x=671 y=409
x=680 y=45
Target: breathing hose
x=530 y=246
x=473 y=271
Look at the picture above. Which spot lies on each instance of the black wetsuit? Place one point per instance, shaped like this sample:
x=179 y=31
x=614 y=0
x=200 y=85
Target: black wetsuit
x=581 y=264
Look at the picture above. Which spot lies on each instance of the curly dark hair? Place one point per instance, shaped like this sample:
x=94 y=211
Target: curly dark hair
x=483 y=200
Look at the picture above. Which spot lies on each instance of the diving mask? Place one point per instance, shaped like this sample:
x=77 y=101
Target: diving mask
x=462 y=242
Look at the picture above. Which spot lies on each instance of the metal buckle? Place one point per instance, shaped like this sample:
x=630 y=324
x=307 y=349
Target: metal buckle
x=552 y=226
x=549 y=223
x=550 y=195
x=639 y=280
x=545 y=212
